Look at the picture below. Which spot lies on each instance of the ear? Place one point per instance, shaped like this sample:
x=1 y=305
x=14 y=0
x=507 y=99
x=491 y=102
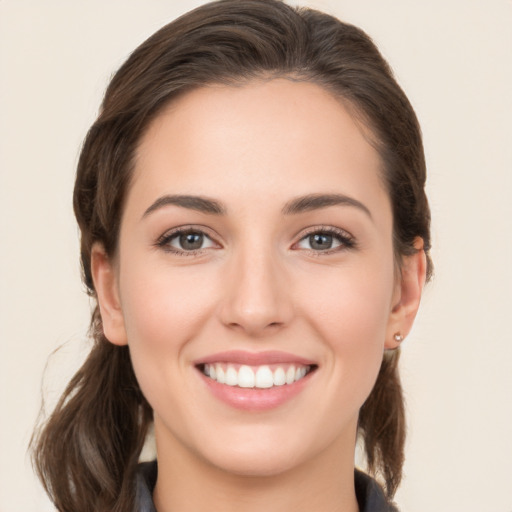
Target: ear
x=107 y=291
x=407 y=296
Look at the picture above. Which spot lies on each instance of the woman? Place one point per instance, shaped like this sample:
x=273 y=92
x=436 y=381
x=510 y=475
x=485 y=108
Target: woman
x=255 y=232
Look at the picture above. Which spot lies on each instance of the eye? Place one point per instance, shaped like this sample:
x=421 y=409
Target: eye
x=188 y=240
x=326 y=240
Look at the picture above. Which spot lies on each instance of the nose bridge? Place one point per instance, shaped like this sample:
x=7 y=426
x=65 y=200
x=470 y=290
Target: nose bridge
x=256 y=297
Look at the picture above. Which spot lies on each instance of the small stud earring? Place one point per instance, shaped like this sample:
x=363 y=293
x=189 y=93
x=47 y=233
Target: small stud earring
x=398 y=337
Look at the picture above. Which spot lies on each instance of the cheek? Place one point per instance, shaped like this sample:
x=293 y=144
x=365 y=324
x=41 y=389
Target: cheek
x=350 y=304
x=162 y=307
x=162 y=311
x=350 y=310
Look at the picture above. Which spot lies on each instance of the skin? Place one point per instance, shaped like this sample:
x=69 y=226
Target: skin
x=257 y=284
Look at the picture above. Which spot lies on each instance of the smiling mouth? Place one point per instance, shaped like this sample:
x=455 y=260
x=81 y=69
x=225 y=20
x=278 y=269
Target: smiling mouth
x=258 y=377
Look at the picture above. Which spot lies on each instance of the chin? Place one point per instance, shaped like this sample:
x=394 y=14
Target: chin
x=268 y=452
x=250 y=463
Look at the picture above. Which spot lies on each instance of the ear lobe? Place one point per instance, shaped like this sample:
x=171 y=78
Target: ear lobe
x=409 y=288
x=105 y=284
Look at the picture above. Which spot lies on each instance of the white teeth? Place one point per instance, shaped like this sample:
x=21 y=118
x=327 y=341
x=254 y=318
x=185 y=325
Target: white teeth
x=264 y=377
x=247 y=377
x=231 y=376
x=221 y=377
x=300 y=372
x=279 y=377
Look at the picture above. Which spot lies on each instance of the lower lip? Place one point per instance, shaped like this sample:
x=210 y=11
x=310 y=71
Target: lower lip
x=255 y=399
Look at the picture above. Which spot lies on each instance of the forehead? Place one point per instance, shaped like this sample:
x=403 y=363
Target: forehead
x=264 y=138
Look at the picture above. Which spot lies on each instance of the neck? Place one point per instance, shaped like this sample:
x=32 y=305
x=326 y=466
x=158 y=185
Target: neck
x=187 y=483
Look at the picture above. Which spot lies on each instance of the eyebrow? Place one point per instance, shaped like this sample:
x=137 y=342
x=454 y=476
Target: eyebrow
x=201 y=204
x=293 y=207
x=318 y=201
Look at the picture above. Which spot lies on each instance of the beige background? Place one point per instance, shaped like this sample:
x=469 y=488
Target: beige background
x=453 y=58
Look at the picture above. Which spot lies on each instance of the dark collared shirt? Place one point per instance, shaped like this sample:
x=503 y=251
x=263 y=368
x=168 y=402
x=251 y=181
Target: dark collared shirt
x=368 y=492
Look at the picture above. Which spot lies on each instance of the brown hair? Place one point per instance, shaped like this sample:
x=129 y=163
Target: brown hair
x=87 y=453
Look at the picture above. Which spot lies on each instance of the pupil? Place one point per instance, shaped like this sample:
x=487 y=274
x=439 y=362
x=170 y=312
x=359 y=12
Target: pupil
x=320 y=241
x=191 y=241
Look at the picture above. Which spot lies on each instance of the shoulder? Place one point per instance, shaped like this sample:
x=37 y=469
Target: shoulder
x=146 y=480
x=370 y=496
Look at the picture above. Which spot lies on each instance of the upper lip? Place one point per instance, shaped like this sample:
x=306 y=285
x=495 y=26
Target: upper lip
x=253 y=358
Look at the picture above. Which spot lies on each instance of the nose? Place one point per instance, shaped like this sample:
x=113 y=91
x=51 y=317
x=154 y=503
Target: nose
x=257 y=299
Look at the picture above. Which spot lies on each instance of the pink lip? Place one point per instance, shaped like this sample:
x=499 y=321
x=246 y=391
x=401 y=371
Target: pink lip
x=253 y=358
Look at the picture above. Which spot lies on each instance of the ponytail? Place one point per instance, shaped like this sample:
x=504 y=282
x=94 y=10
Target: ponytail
x=87 y=452
x=382 y=424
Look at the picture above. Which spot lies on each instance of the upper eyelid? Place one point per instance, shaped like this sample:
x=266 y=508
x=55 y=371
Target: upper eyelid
x=187 y=228
x=323 y=229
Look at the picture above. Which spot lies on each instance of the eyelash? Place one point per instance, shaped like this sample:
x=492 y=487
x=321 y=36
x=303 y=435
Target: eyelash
x=346 y=241
x=164 y=241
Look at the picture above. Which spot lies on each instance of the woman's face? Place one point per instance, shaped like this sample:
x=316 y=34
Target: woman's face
x=256 y=240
